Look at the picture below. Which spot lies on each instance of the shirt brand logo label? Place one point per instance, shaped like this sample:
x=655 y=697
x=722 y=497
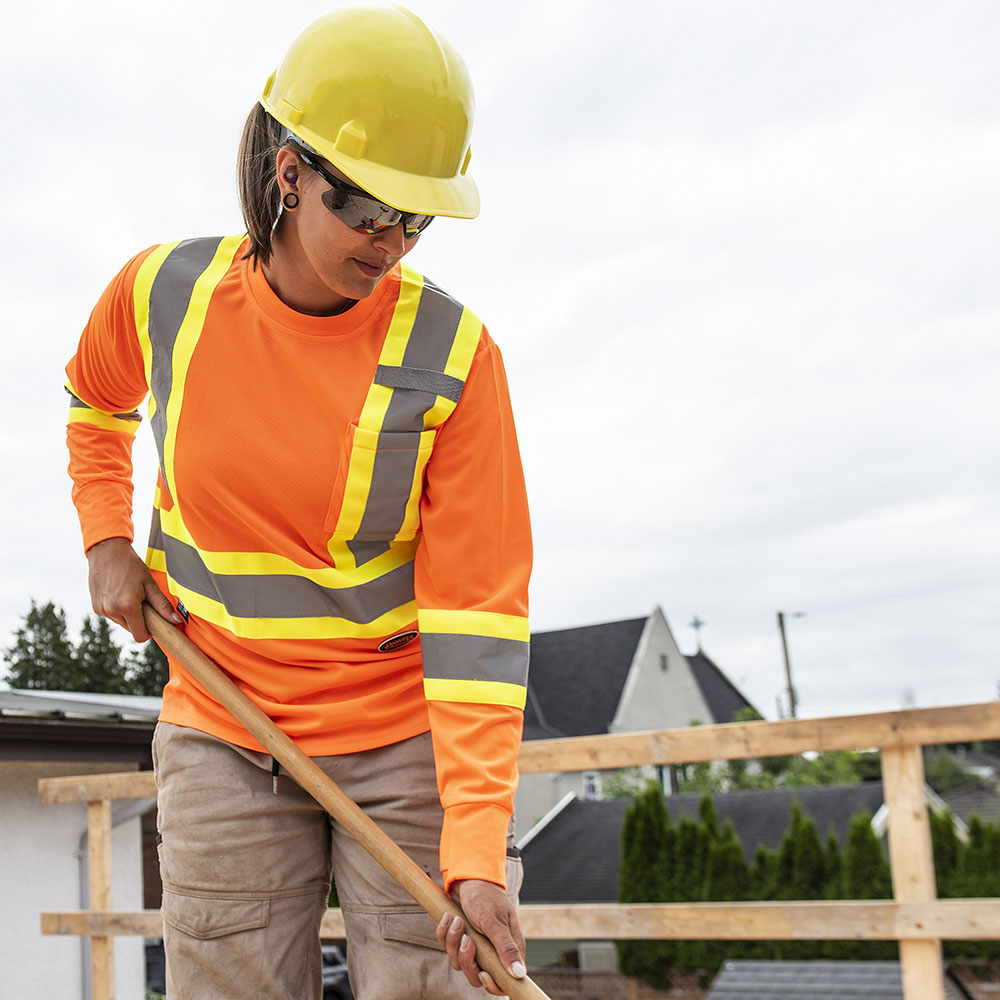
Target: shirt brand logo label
x=397 y=640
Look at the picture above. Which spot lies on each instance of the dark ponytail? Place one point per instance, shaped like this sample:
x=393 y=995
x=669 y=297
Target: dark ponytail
x=258 y=181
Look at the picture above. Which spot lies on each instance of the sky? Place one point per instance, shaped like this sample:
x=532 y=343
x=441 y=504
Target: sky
x=739 y=255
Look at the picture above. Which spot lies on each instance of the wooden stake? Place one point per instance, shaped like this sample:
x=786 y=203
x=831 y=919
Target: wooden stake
x=912 y=864
x=99 y=861
x=329 y=795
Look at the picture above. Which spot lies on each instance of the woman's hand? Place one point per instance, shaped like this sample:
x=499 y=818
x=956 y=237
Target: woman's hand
x=490 y=912
x=119 y=583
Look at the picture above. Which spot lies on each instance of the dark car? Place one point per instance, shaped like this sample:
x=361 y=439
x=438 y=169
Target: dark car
x=335 y=983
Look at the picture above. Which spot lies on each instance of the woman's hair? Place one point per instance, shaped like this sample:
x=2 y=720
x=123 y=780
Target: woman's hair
x=258 y=181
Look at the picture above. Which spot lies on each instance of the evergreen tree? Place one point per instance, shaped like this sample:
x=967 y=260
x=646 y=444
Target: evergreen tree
x=945 y=845
x=147 y=670
x=98 y=659
x=866 y=876
x=643 y=879
x=42 y=658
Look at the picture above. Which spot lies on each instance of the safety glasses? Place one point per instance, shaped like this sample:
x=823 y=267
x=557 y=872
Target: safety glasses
x=360 y=210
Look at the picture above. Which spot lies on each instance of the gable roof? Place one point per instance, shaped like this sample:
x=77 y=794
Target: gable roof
x=576 y=856
x=576 y=678
x=724 y=699
x=819 y=980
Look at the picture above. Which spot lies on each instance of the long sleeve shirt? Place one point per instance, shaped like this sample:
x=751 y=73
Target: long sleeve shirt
x=347 y=640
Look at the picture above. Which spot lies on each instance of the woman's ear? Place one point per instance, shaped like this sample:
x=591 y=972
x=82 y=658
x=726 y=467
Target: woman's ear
x=287 y=165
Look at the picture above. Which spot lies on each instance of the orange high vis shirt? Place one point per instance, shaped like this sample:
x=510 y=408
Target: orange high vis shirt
x=340 y=512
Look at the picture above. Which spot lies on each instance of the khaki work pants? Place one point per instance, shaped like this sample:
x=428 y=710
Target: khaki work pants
x=246 y=874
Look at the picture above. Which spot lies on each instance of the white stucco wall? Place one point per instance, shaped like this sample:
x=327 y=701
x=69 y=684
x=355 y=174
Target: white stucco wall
x=39 y=870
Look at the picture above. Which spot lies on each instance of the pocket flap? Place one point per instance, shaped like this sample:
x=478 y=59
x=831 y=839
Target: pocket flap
x=205 y=917
x=413 y=928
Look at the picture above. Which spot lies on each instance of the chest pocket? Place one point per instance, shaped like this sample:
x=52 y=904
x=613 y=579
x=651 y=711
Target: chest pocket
x=379 y=485
x=421 y=372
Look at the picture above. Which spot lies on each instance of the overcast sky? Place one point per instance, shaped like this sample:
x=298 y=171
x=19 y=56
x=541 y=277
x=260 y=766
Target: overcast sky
x=740 y=256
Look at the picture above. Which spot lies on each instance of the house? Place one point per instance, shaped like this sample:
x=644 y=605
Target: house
x=820 y=980
x=43 y=851
x=622 y=676
x=574 y=854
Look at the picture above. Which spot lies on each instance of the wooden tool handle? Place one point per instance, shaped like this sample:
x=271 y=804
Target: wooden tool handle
x=329 y=795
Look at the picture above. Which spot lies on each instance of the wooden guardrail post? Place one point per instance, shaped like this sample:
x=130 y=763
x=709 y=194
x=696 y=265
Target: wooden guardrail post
x=912 y=863
x=99 y=861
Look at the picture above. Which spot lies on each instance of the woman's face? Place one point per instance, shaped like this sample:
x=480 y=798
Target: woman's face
x=320 y=265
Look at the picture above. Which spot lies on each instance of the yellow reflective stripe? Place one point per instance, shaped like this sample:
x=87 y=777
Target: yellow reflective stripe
x=362 y=460
x=187 y=340
x=411 y=516
x=273 y=564
x=98 y=418
x=475 y=692
x=156 y=559
x=140 y=303
x=294 y=628
x=463 y=349
x=488 y=623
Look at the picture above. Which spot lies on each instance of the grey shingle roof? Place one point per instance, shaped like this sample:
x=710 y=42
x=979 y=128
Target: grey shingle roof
x=575 y=858
x=980 y=799
x=577 y=676
x=723 y=697
x=819 y=980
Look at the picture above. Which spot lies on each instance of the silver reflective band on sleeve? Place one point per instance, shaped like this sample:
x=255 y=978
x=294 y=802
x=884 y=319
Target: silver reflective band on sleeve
x=474 y=658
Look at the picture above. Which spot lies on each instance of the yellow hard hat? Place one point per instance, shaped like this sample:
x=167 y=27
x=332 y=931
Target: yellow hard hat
x=386 y=100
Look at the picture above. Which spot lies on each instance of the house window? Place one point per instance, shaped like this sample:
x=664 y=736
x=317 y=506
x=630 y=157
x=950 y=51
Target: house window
x=591 y=785
x=664 y=662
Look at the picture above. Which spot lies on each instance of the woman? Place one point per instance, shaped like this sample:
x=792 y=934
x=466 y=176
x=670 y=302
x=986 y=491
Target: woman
x=340 y=522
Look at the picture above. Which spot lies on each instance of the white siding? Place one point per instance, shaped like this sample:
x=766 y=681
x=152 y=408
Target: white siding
x=39 y=870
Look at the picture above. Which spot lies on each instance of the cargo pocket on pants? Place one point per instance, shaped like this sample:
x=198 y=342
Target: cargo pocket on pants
x=205 y=916
x=410 y=928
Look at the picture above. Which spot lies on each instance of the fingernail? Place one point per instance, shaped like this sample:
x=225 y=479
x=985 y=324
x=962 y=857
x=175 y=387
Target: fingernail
x=466 y=943
x=518 y=971
x=445 y=920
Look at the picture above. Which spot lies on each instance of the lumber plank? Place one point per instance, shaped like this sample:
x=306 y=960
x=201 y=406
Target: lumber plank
x=742 y=740
x=90 y=787
x=882 y=920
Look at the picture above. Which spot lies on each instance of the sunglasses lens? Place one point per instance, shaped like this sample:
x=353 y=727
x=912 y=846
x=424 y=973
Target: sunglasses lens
x=366 y=214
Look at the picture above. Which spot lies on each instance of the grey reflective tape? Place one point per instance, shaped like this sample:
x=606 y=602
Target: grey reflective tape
x=155 y=532
x=287 y=596
x=422 y=379
x=78 y=404
x=169 y=298
x=474 y=658
x=392 y=482
x=434 y=329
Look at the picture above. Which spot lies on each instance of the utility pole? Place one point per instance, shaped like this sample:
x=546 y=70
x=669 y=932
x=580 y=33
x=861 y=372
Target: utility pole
x=792 y=699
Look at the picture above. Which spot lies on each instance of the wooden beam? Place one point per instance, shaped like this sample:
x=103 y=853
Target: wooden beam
x=880 y=920
x=102 y=960
x=739 y=741
x=142 y=923
x=90 y=787
x=911 y=860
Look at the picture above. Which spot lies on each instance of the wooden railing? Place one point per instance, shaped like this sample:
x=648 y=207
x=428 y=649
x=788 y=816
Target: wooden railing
x=914 y=917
